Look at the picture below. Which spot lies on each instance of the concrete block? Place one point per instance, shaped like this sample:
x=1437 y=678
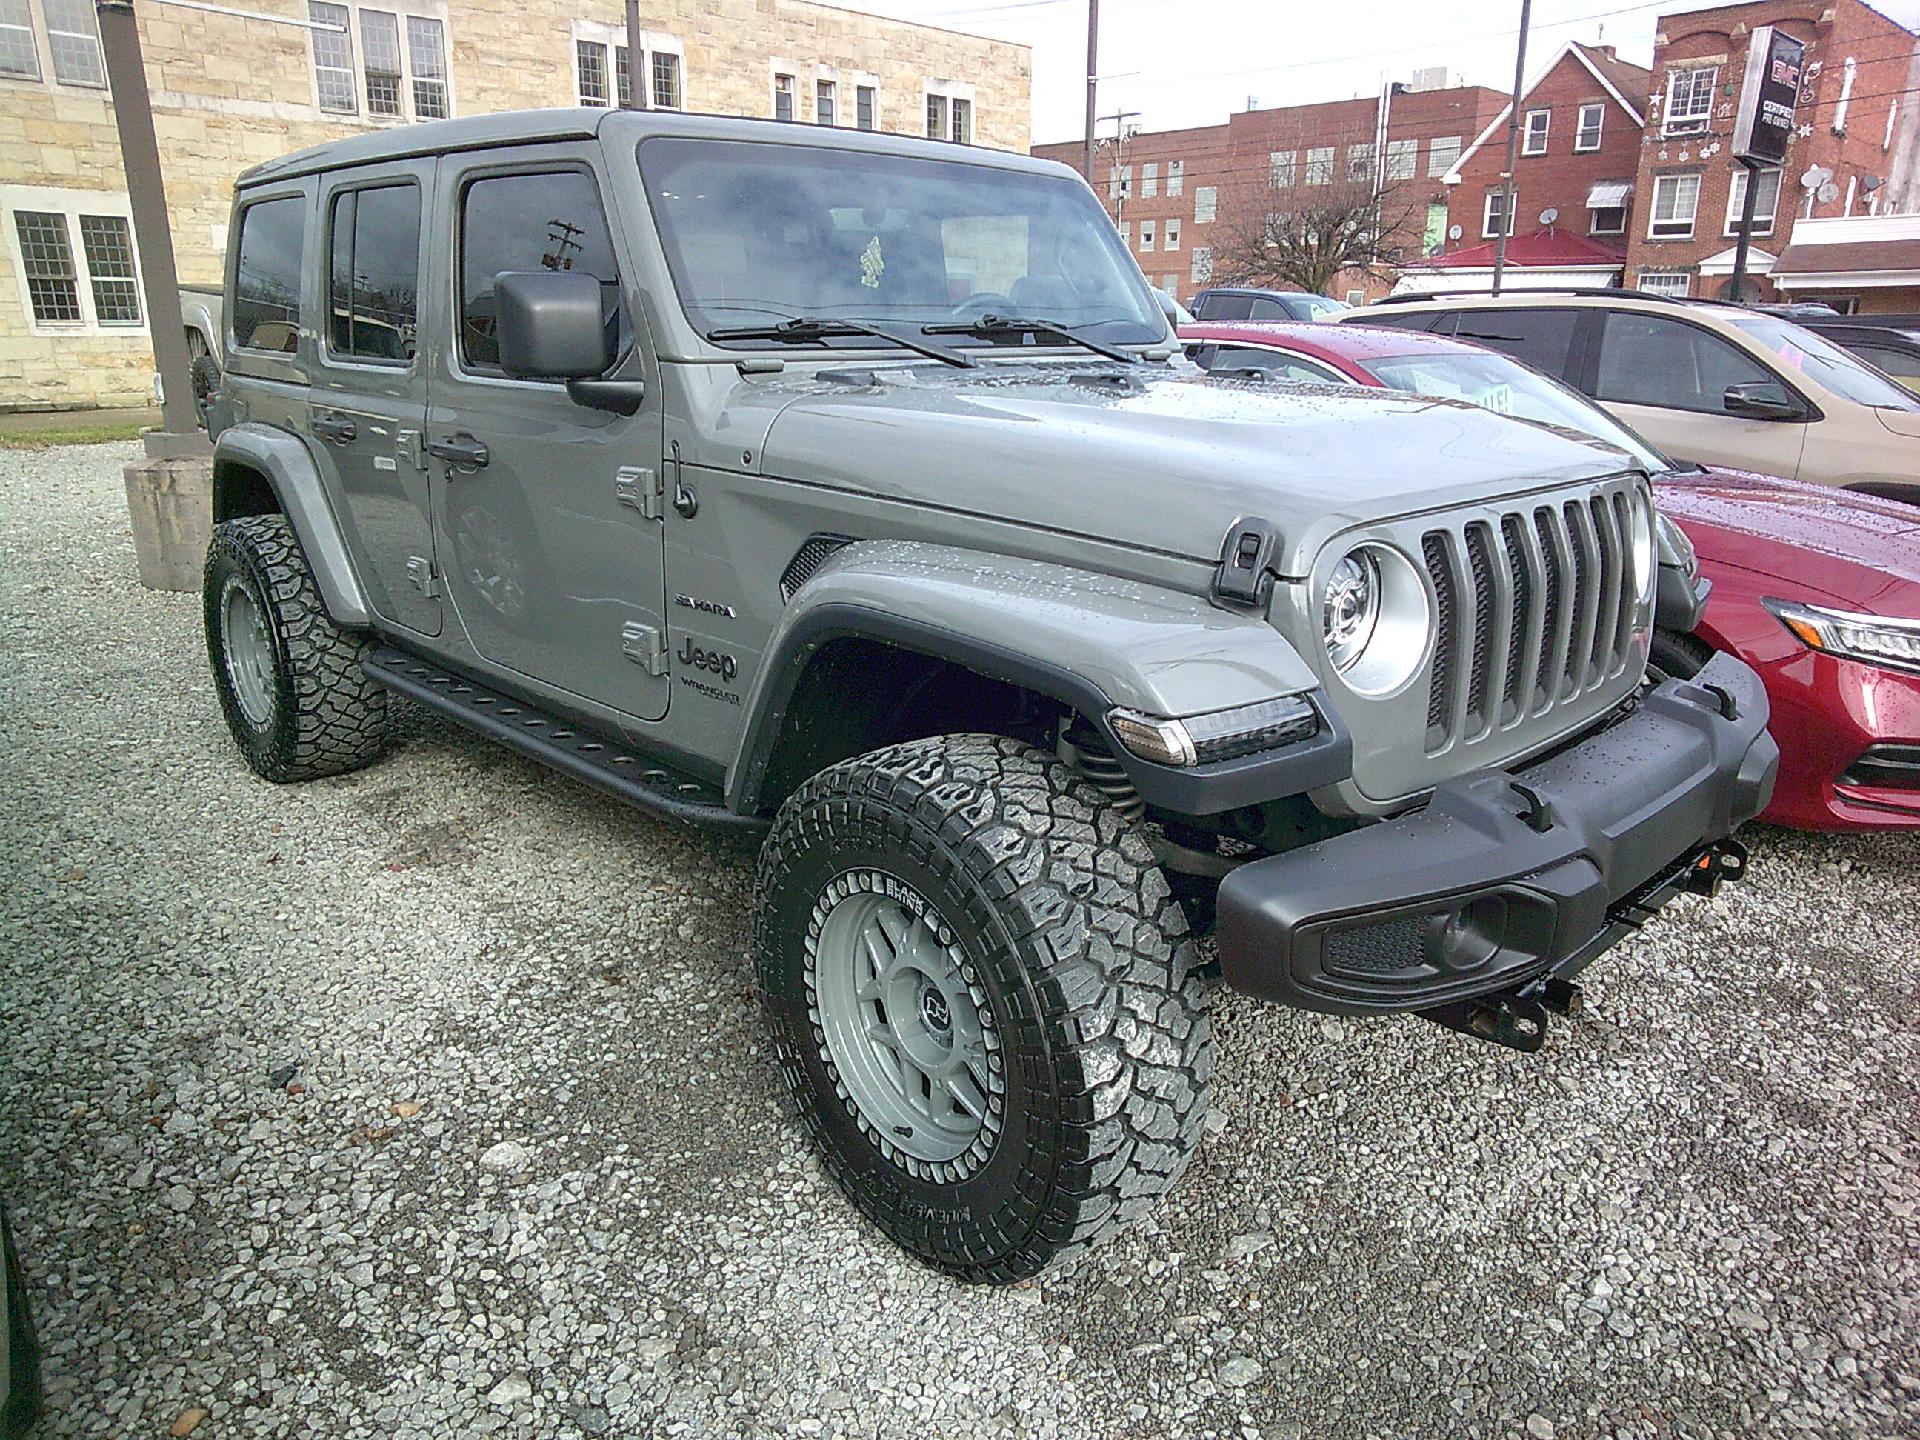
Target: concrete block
x=170 y=506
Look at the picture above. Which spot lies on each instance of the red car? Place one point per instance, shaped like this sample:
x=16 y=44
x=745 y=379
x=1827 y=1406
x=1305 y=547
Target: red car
x=1817 y=589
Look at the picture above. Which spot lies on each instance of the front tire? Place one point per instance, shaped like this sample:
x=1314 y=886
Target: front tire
x=290 y=681
x=1680 y=657
x=983 y=999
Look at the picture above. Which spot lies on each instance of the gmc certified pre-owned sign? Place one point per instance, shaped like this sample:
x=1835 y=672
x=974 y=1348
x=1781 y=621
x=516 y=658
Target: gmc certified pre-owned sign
x=1767 y=95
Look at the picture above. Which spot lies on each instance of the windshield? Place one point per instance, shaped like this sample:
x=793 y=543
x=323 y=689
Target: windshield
x=1318 y=307
x=755 y=231
x=1825 y=363
x=1496 y=382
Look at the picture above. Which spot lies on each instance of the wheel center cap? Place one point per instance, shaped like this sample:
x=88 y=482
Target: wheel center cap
x=934 y=1011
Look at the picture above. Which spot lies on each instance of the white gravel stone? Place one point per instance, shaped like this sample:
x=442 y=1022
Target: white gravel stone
x=1728 y=1130
x=506 y=1158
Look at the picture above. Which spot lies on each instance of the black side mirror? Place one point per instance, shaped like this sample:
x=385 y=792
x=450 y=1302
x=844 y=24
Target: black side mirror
x=550 y=325
x=1760 y=400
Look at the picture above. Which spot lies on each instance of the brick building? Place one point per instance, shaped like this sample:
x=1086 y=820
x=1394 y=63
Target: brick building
x=1580 y=123
x=1858 y=133
x=230 y=92
x=1178 y=196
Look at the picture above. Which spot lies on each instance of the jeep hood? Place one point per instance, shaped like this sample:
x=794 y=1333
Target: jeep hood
x=1160 y=459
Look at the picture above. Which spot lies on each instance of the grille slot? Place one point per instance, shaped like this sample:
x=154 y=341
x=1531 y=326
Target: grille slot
x=1380 y=948
x=811 y=555
x=1533 y=609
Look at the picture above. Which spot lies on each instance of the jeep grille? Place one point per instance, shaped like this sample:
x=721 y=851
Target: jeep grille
x=1533 y=608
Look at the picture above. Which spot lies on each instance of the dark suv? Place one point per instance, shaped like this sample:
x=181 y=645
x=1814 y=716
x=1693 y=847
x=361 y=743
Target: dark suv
x=1231 y=302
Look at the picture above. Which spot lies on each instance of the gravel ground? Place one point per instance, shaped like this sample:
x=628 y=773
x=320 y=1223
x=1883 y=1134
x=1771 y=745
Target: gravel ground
x=532 y=1175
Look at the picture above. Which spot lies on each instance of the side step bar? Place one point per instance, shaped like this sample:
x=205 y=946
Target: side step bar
x=605 y=764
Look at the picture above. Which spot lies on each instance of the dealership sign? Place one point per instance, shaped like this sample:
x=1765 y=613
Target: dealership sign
x=1767 y=95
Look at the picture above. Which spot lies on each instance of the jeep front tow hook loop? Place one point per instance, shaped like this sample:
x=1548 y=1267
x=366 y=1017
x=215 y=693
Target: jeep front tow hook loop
x=1729 y=707
x=1715 y=867
x=1563 y=997
x=1539 y=819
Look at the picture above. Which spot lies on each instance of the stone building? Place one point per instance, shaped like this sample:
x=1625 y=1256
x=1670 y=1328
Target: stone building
x=229 y=92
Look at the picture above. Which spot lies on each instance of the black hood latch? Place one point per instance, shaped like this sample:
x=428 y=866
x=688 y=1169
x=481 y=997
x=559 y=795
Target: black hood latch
x=1246 y=572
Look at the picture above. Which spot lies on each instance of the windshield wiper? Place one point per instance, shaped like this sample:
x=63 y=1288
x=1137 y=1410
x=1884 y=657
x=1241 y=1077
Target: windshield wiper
x=805 y=329
x=993 y=327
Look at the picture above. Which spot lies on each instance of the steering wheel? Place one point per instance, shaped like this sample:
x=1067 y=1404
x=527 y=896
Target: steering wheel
x=984 y=302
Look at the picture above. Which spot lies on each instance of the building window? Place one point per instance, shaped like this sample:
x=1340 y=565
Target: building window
x=1202 y=271
x=622 y=77
x=666 y=80
x=1360 y=162
x=427 y=54
x=1176 y=176
x=1320 y=165
x=1607 y=220
x=1533 y=137
x=950 y=117
x=333 y=57
x=866 y=106
x=962 y=121
x=1403 y=158
x=1149 y=180
x=1586 y=136
x=1675 y=199
x=823 y=97
x=1667 y=283
x=936 y=116
x=1766 y=201
x=19 y=53
x=590 y=67
x=380 y=49
x=1282 y=167
x=1206 y=201
x=1170 y=233
x=1119 y=179
x=1441 y=155
x=1690 y=99
x=73 y=39
x=783 y=97
x=1495 y=213
x=1146 y=235
x=73 y=255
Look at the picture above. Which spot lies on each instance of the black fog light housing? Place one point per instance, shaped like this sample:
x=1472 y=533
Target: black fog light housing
x=1217 y=735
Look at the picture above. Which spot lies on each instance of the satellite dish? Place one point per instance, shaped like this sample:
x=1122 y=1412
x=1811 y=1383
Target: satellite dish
x=1549 y=215
x=1815 y=177
x=1454 y=232
x=1828 y=192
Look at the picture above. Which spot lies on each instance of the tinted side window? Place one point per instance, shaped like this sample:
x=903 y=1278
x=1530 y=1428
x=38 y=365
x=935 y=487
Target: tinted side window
x=1224 y=307
x=1284 y=367
x=546 y=221
x=1540 y=338
x=1651 y=360
x=1408 y=317
x=1264 y=309
x=266 y=282
x=1903 y=365
x=374 y=278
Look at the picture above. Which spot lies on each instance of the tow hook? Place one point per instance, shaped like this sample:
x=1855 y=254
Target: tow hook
x=1718 y=863
x=1517 y=1021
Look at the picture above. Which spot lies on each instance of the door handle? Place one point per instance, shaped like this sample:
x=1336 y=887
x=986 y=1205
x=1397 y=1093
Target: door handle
x=462 y=450
x=337 y=428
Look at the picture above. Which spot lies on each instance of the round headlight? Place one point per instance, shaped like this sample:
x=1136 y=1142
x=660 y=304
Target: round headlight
x=1642 y=541
x=1351 y=608
x=1374 y=618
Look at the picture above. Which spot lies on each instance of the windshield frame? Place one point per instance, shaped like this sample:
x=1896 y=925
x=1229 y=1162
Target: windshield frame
x=700 y=324
x=1762 y=330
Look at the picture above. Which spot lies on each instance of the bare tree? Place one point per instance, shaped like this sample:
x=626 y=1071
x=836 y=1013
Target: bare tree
x=1306 y=237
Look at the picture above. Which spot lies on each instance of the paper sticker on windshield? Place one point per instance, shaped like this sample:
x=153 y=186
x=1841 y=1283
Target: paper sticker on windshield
x=1499 y=399
x=872 y=264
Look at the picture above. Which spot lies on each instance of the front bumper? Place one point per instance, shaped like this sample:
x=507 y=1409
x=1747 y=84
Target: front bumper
x=1505 y=877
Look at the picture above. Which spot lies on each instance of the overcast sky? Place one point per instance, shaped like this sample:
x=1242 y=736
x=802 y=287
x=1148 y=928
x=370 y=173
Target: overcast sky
x=1194 y=62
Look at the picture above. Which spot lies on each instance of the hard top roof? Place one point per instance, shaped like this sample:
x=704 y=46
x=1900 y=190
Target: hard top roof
x=527 y=127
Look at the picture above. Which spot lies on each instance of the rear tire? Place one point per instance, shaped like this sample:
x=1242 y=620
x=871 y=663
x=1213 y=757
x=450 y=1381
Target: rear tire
x=1031 y=954
x=205 y=375
x=296 y=699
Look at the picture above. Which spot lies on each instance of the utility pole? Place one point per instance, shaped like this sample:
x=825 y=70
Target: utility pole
x=147 y=196
x=1093 y=75
x=1120 y=118
x=1513 y=146
x=636 y=82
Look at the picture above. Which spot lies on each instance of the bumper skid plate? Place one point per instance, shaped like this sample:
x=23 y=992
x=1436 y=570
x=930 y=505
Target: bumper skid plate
x=1507 y=879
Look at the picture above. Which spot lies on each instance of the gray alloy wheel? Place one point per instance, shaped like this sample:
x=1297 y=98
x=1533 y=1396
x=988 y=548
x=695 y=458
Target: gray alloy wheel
x=247 y=649
x=902 y=1023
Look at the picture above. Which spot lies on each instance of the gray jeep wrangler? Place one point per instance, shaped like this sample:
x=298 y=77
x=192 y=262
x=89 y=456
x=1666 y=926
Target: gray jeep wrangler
x=848 y=490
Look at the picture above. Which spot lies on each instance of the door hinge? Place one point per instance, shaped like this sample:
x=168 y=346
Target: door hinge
x=644 y=645
x=420 y=572
x=642 y=489
x=407 y=446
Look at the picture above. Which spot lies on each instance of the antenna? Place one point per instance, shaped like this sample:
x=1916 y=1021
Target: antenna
x=1549 y=215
